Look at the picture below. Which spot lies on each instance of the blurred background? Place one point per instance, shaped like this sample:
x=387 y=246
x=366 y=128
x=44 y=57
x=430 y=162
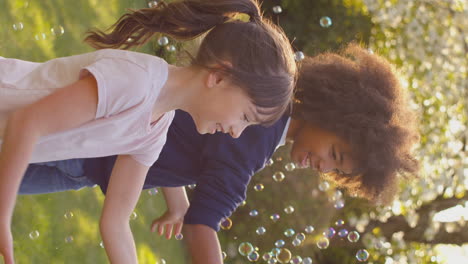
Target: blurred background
x=290 y=215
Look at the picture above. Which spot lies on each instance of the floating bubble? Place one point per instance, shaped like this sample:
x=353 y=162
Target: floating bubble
x=245 y=248
x=259 y=187
x=323 y=243
x=269 y=162
x=290 y=166
x=284 y=256
x=330 y=232
x=163 y=41
x=57 y=31
x=272 y=261
x=343 y=232
x=279 y=243
x=253 y=213
x=362 y=255
x=243 y=203
x=325 y=22
x=278 y=176
x=153 y=191
x=296 y=260
x=101 y=244
x=133 y=216
x=171 y=48
x=18 y=26
x=307 y=260
x=296 y=242
x=339 y=222
x=152 y=4
x=275 y=251
x=192 y=186
x=289 y=232
x=277 y=9
x=161 y=261
x=289 y=209
x=267 y=256
x=309 y=229
x=353 y=236
x=299 y=55
x=226 y=223
x=275 y=217
x=339 y=204
x=224 y=255
x=68 y=215
x=40 y=36
x=324 y=186
x=301 y=236
x=34 y=234
x=254 y=256
x=179 y=236
x=261 y=230
x=69 y=239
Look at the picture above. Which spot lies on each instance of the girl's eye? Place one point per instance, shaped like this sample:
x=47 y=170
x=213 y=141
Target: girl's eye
x=333 y=152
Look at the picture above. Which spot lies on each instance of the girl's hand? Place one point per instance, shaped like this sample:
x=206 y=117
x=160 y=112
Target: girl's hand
x=171 y=221
x=6 y=245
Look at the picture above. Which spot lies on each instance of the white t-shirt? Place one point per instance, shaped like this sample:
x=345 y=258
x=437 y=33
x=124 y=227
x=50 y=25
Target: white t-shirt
x=128 y=85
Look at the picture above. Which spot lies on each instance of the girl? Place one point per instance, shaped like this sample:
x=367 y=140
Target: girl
x=119 y=102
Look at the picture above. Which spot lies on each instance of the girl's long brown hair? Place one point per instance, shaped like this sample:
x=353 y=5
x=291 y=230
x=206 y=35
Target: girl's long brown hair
x=256 y=55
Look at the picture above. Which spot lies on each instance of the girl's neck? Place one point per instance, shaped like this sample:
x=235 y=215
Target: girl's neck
x=180 y=89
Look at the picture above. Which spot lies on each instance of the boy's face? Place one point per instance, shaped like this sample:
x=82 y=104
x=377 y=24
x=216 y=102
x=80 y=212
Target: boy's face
x=320 y=150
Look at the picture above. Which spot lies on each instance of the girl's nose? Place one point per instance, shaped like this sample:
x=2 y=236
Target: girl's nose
x=325 y=166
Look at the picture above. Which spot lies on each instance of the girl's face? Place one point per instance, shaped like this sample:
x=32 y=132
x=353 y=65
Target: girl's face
x=320 y=150
x=223 y=107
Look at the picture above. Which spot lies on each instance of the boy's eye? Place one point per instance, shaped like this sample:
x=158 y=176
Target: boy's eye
x=246 y=119
x=333 y=152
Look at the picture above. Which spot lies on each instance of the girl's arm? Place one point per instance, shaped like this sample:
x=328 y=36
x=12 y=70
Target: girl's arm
x=177 y=205
x=69 y=107
x=124 y=188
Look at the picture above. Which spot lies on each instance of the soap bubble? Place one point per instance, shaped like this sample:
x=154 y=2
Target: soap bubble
x=299 y=55
x=279 y=243
x=272 y=261
x=192 y=186
x=153 y=191
x=323 y=243
x=296 y=242
x=163 y=41
x=339 y=204
x=290 y=166
x=245 y=248
x=296 y=260
x=259 y=187
x=269 y=162
x=253 y=213
x=133 y=216
x=152 y=4
x=171 y=48
x=275 y=217
x=57 y=30
x=307 y=260
x=339 y=222
x=289 y=209
x=34 y=235
x=289 y=232
x=301 y=236
x=343 y=232
x=179 y=236
x=254 y=256
x=18 y=26
x=309 y=229
x=68 y=215
x=101 y=244
x=261 y=230
x=353 y=236
x=325 y=22
x=278 y=176
x=277 y=9
x=40 y=36
x=284 y=256
x=226 y=223
x=330 y=232
x=267 y=256
x=324 y=186
x=362 y=255
x=69 y=239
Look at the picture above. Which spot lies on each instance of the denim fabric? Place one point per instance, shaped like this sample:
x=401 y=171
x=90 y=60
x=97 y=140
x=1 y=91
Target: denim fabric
x=49 y=177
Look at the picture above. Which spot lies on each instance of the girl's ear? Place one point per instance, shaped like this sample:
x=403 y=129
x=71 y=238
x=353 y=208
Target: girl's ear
x=213 y=79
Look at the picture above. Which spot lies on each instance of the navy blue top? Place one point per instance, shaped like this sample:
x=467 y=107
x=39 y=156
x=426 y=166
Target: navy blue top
x=220 y=166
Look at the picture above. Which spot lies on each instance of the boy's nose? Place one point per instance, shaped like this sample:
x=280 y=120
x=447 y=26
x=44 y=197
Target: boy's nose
x=235 y=132
x=325 y=166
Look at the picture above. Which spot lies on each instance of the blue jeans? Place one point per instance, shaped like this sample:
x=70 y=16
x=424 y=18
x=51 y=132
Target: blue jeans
x=56 y=176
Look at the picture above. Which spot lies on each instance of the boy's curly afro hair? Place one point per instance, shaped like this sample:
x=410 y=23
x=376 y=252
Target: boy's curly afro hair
x=356 y=95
